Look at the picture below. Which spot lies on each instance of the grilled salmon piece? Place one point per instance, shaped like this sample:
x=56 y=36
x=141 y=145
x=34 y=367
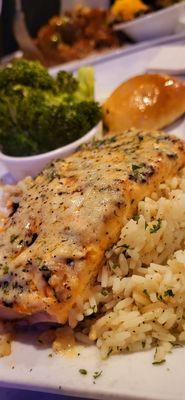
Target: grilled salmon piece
x=53 y=245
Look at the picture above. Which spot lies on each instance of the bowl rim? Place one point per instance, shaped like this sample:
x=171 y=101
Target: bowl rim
x=56 y=152
x=148 y=16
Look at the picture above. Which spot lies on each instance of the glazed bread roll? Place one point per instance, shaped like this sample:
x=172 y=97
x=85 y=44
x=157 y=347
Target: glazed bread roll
x=149 y=101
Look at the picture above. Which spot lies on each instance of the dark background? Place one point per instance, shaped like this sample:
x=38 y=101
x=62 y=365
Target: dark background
x=37 y=13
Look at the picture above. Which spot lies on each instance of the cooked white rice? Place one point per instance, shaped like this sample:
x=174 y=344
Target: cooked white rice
x=140 y=291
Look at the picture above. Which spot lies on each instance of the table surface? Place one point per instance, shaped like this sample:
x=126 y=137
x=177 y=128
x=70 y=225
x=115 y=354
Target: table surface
x=12 y=394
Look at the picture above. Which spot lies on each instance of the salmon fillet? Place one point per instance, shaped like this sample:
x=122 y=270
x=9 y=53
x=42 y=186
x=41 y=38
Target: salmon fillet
x=54 y=242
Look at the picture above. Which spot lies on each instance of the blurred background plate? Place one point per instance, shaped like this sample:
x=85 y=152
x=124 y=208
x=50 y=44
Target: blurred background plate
x=154 y=24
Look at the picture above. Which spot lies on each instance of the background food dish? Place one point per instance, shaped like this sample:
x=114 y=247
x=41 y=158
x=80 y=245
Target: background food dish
x=85 y=51
x=127 y=11
x=75 y=34
x=152 y=25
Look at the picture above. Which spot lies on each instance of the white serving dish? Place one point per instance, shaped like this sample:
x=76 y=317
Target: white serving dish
x=153 y=25
x=19 y=167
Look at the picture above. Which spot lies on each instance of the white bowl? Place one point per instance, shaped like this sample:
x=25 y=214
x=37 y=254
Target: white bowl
x=153 y=25
x=19 y=167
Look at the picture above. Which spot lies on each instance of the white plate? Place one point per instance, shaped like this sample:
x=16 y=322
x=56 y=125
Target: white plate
x=153 y=25
x=107 y=55
x=125 y=377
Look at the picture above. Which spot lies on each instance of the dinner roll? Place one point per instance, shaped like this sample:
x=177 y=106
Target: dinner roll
x=149 y=101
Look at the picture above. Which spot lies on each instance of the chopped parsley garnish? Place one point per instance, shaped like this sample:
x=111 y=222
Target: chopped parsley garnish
x=99 y=143
x=159 y=297
x=104 y=292
x=52 y=174
x=38 y=260
x=114 y=266
x=169 y=293
x=5 y=269
x=83 y=371
x=50 y=355
x=109 y=352
x=156 y=226
x=4 y=284
x=159 y=362
x=111 y=139
x=136 y=217
x=97 y=374
x=126 y=246
x=136 y=167
x=146 y=292
x=13 y=238
x=141 y=172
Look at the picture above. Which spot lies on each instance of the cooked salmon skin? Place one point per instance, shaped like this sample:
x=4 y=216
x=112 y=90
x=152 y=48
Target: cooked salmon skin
x=53 y=243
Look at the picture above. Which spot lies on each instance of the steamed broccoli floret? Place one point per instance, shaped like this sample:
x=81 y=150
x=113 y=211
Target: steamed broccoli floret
x=36 y=130
x=77 y=119
x=29 y=73
x=14 y=140
x=36 y=115
x=66 y=82
x=85 y=78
